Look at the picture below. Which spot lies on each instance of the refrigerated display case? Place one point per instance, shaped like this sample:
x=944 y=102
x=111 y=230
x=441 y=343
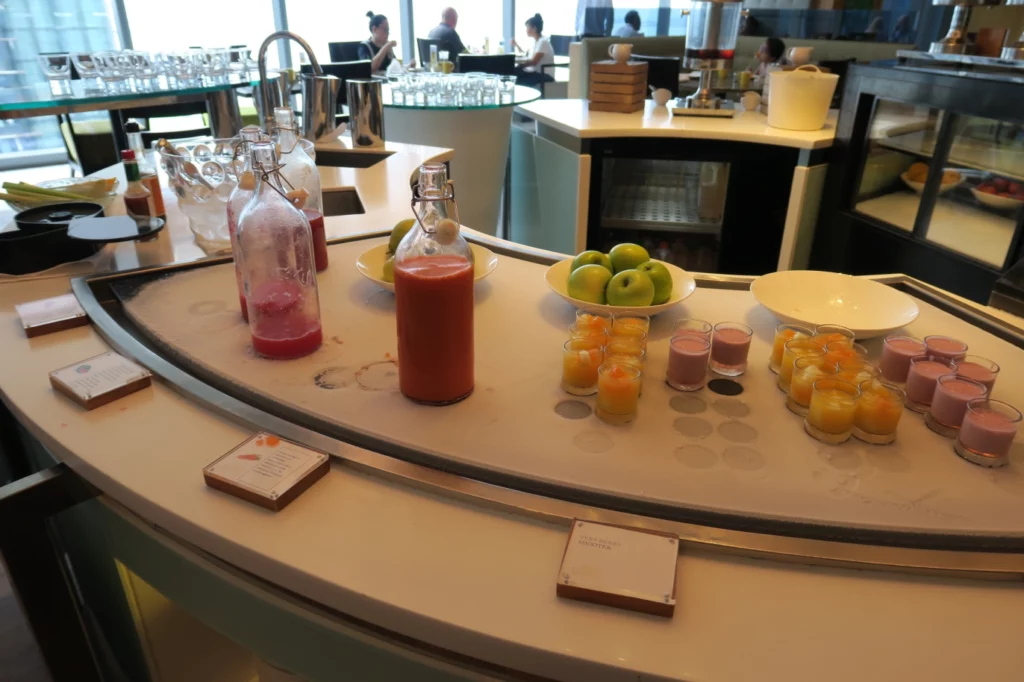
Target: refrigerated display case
x=929 y=178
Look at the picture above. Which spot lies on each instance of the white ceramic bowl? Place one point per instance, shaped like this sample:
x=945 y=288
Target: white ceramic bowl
x=919 y=186
x=811 y=297
x=993 y=201
x=683 y=285
x=371 y=264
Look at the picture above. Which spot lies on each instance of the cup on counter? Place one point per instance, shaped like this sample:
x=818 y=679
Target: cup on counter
x=580 y=359
x=743 y=81
x=825 y=334
x=784 y=333
x=945 y=347
x=878 y=412
x=805 y=372
x=897 y=352
x=589 y=319
x=832 y=411
x=793 y=349
x=979 y=369
x=629 y=324
x=691 y=326
x=620 y=52
x=751 y=100
x=922 y=379
x=618 y=392
x=730 y=345
x=661 y=96
x=949 y=403
x=987 y=432
x=688 y=362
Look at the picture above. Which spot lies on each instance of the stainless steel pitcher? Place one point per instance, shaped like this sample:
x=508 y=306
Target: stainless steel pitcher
x=319 y=92
x=366 y=113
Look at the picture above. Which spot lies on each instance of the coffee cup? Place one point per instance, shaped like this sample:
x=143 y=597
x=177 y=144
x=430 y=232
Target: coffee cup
x=620 y=52
x=750 y=100
x=743 y=79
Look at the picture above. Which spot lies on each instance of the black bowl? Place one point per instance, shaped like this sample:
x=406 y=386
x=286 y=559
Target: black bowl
x=41 y=240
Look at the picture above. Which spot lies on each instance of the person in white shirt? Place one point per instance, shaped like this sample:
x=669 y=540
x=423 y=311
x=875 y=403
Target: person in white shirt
x=630 y=27
x=530 y=70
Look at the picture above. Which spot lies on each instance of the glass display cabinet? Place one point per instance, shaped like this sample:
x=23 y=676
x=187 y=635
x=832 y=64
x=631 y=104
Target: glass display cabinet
x=928 y=178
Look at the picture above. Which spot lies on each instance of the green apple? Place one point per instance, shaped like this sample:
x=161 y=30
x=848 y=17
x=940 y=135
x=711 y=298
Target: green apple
x=630 y=288
x=592 y=258
x=388 y=275
x=588 y=283
x=627 y=256
x=661 y=277
x=397 y=234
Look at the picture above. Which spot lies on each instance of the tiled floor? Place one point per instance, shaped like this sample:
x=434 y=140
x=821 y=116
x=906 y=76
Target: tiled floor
x=20 y=660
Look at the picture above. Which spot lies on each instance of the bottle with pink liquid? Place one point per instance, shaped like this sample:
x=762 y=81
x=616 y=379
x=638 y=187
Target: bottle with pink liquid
x=278 y=269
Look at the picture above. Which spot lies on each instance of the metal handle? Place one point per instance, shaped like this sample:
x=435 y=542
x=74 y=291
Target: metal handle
x=261 y=62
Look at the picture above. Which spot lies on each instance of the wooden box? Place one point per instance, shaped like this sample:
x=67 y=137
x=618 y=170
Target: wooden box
x=618 y=87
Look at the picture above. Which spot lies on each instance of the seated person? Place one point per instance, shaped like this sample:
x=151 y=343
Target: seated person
x=446 y=35
x=631 y=27
x=772 y=51
x=530 y=70
x=377 y=48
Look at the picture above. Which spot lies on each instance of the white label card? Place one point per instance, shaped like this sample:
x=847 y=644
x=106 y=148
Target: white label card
x=98 y=375
x=266 y=465
x=620 y=561
x=49 y=310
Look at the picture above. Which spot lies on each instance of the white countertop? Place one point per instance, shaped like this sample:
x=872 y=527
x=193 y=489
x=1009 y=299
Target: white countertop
x=572 y=116
x=480 y=582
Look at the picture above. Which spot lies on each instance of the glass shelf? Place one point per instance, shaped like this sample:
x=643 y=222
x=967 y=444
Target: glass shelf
x=39 y=99
x=970 y=153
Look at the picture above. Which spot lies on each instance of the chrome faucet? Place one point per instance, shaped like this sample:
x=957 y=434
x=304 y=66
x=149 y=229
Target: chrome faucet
x=261 y=61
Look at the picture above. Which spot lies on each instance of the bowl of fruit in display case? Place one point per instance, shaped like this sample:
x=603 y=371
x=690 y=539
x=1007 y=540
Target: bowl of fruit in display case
x=624 y=280
x=917 y=175
x=377 y=264
x=999 y=193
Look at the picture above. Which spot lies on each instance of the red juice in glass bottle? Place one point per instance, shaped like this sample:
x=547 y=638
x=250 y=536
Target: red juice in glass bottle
x=434 y=299
x=302 y=175
x=277 y=266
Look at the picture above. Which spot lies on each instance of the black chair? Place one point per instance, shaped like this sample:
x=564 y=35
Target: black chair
x=423 y=48
x=662 y=72
x=344 y=52
x=497 y=64
x=838 y=67
x=560 y=44
x=359 y=70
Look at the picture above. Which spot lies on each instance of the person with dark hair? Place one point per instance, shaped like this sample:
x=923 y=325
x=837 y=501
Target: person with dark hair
x=531 y=67
x=377 y=48
x=446 y=34
x=630 y=26
x=772 y=51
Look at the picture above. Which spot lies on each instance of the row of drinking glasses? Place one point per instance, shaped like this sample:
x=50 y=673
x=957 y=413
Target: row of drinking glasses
x=455 y=89
x=139 y=71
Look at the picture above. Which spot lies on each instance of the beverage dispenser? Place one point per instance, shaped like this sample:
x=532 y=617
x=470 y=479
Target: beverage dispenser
x=711 y=32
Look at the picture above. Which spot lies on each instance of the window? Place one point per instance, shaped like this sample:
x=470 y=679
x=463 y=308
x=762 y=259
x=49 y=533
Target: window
x=559 y=19
x=28 y=28
x=320 y=23
x=479 y=21
x=199 y=23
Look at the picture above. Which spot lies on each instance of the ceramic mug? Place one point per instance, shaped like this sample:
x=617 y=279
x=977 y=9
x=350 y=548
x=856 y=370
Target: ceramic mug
x=620 y=52
x=750 y=100
x=661 y=96
x=799 y=56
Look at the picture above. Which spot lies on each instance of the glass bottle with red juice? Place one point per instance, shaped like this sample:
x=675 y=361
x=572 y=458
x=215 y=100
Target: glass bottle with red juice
x=240 y=196
x=434 y=297
x=301 y=173
x=278 y=270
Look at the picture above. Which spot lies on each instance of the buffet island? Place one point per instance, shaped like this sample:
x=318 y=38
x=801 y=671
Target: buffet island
x=431 y=547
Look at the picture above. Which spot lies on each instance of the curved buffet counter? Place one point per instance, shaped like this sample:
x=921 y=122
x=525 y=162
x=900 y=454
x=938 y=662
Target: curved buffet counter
x=431 y=548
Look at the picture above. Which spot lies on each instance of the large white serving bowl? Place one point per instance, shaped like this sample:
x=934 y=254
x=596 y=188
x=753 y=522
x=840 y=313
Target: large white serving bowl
x=683 y=285
x=370 y=264
x=812 y=297
x=995 y=201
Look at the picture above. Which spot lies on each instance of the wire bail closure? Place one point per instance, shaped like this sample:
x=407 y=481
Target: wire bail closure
x=292 y=128
x=265 y=173
x=447 y=194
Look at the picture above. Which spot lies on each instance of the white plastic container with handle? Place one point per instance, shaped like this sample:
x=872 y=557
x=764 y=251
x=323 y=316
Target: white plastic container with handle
x=799 y=99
